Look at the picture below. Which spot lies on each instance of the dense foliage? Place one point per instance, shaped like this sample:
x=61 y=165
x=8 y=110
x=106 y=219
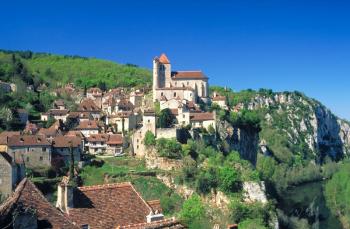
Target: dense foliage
x=58 y=70
x=337 y=194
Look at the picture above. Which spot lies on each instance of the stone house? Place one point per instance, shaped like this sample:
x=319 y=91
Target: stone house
x=88 y=127
x=57 y=114
x=108 y=144
x=203 y=120
x=61 y=146
x=95 y=94
x=189 y=85
x=136 y=98
x=219 y=100
x=11 y=173
x=123 y=119
x=89 y=105
x=34 y=150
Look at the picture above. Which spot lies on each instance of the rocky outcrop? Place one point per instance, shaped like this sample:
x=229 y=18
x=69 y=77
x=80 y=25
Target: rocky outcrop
x=306 y=121
x=153 y=161
x=243 y=140
x=254 y=192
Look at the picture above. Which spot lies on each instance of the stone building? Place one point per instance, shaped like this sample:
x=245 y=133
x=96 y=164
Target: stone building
x=11 y=173
x=189 y=85
x=109 y=144
x=35 y=151
x=61 y=146
x=88 y=127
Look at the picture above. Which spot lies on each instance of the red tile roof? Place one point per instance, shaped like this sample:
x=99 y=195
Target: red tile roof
x=57 y=112
x=201 y=116
x=29 y=196
x=188 y=75
x=108 y=206
x=88 y=105
x=88 y=125
x=5 y=135
x=164 y=59
x=66 y=141
x=111 y=139
x=28 y=140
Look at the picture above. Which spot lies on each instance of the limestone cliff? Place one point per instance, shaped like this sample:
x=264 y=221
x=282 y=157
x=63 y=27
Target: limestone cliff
x=301 y=124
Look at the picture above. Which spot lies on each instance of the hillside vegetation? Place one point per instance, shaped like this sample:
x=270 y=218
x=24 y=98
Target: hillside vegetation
x=58 y=70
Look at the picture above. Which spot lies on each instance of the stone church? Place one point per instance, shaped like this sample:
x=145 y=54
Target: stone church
x=181 y=85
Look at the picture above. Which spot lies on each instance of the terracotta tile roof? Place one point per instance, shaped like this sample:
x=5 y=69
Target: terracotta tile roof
x=5 y=135
x=28 y=140
x=171 y=223
x=115 y=139
x=163 y=59
x=74 y=133
x=201 y=116
x=125 y=105
x=88 y=125
x=66 y=141
x=108 y=206
x=188 y=75
x=88 y=105
x=29 y=196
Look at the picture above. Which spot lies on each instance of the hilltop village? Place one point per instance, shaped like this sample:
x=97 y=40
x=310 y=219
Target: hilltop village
x=110 y=123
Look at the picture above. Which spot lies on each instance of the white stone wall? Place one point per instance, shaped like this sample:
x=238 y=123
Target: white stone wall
x=166 y=132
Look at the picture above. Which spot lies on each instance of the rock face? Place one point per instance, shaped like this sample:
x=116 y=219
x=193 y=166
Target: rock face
x=243 y=140
x=303 y=120
x=254 y=192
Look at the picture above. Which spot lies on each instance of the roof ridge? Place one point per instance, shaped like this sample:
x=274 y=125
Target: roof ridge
x=105 y=186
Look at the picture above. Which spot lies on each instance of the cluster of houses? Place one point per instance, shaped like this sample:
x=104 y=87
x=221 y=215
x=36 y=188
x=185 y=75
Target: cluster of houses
x=100 y=125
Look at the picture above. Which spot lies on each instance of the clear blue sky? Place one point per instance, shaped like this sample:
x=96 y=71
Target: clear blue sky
x=283 y=45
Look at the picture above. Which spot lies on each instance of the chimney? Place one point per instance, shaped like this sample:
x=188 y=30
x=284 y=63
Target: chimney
x=65 y=195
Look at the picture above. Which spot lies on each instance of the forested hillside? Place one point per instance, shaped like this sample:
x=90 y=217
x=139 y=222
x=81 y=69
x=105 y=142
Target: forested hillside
x=57 y=70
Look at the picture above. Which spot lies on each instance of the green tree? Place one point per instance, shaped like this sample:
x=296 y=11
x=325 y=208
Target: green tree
x=230 y=179
x=50 y=122
x=150 y=139
x=169 y=148
x=166 y=119
x=192 y=210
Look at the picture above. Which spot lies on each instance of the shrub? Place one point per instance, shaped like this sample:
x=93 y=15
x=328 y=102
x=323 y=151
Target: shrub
x=230 y=180
x=169 y=148
x=150 y=139
x=192 y=209
x=166 y=119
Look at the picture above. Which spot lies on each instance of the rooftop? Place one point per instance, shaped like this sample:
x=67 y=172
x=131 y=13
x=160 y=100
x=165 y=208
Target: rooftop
x=188 y=75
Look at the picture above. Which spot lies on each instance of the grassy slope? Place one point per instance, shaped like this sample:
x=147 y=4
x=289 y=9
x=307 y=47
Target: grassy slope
x=82 y=71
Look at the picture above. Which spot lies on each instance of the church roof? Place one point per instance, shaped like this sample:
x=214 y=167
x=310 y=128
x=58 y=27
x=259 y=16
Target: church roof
x=164 y=59
x=188 y=75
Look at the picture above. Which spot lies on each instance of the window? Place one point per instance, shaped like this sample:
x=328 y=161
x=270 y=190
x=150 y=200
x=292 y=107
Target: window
x=27 y=159
x=28 y=149
x=137 y=147
x=161 y=94
x=44 y=149
x=174 y=94
x=149 y=120
x=41 y=158
x=85 y=226
x=183 y=116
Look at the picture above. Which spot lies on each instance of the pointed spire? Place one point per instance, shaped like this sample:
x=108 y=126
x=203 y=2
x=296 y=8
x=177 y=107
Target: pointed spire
x=164 y=59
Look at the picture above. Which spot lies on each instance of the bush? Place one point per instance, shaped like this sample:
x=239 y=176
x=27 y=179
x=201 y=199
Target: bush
x=150 y=139
x=169 y=148
x=166 y=119
x=230 y=179
x=192 y=210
